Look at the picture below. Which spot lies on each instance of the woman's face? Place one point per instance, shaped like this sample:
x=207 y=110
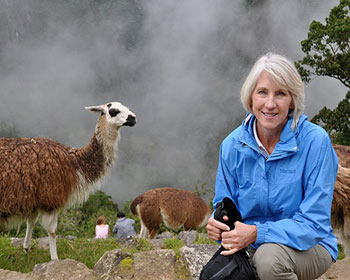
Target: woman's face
x=270 y=105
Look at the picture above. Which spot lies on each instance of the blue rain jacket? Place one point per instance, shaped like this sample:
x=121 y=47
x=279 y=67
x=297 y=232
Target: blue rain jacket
x=288 y=196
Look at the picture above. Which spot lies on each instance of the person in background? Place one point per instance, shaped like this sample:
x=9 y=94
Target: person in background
x=124 y=227
x=102 y=229
x=279 y=169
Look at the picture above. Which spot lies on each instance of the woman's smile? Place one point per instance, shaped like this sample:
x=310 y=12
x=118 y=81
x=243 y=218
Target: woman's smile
x=270 y=105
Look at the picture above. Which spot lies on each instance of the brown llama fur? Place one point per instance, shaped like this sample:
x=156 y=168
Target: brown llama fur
x=343 y=153
x=174 y=207
x=340 y=217
x=42 y=176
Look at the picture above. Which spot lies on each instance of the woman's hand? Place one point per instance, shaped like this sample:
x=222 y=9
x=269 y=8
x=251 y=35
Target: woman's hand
x=215 y=229
x=239 y=238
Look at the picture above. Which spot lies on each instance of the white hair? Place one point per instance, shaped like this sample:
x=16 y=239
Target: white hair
x=285 y=74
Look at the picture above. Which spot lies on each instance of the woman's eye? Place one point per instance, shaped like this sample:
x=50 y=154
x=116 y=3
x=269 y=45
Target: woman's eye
x=281 y=93
x=261 y=92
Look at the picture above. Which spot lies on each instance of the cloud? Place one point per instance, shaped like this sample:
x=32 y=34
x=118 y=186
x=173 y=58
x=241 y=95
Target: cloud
x=178 y=65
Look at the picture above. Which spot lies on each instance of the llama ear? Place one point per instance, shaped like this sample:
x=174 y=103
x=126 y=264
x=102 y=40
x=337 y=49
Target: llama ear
x=95 y=109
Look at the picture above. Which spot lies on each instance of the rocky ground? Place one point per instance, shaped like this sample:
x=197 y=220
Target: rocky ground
x=157 y=264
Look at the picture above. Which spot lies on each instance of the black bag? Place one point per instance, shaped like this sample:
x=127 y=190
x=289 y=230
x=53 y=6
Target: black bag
x=236 y=266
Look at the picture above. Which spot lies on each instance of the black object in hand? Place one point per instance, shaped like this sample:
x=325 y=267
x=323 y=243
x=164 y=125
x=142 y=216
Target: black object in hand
x=236 y=266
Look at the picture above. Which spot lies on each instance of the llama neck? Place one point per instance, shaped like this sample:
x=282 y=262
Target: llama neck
x=108 y=137
x=95 y=159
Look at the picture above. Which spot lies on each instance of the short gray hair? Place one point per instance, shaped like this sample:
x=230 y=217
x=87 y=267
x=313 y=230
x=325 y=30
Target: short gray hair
x=284 y=73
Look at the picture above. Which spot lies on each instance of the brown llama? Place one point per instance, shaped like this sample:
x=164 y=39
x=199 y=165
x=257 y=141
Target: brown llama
x=341 y=199
x=42 y=176
x=340 y=217
x=343 y=153
x=174 y=207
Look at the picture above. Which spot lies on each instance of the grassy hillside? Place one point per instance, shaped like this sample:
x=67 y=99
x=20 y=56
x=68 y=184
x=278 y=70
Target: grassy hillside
x=87 y=251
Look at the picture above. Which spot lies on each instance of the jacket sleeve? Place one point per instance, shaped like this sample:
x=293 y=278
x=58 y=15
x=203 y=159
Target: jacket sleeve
x=311 y=223
x=226 y=183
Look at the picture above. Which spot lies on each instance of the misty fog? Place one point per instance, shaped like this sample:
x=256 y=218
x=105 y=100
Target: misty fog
x=178 y=65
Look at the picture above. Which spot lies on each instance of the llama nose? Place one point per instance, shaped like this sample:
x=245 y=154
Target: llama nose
x=130 y=120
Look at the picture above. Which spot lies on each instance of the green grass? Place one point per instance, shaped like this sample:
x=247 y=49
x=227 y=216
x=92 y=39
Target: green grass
x=139 y=245
x=341 y=254
x=173 y=244
x=202 y=239
x=82 y=250
x=87 y=251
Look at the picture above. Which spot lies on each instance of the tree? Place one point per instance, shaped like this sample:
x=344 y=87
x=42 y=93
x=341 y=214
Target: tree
x=336 y=122
x=80 y=221
x=327 y=50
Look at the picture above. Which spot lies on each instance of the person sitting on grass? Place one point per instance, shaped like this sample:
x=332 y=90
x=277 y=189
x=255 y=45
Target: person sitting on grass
x=124 y=227
x=102 y=229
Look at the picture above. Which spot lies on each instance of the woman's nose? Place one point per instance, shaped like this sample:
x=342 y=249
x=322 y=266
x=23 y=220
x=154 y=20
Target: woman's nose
x=270 y=102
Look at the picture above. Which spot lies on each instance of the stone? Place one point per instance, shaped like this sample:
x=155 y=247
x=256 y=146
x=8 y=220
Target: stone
x=339 y=270
x=188 y=237
x=155 y=265
x=165 y=235
x=157 y=243
x=17 y=242
x=108 y=264
x=62 y=269
x=43 y=243
x=14 y=275
x=70 y=237
x=196 y=256
x=151 y=265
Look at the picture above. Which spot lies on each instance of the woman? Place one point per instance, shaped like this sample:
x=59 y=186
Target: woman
x=280 y=170
x=101 y=229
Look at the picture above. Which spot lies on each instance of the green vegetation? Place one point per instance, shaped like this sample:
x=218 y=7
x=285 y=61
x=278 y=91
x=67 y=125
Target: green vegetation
x=126 y=266
x=127 y=263
x=341 y=254
x=79 y=221
x=327 y=53
x=139 y=245
x=173 y=244
x=201 y=239
x=182 y=272
x=327 y=47
x=205 y=192
x=87 y=251
x=336 y=122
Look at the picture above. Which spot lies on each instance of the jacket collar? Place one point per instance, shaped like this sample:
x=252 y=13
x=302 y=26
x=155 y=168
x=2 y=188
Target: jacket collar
x=288 y=139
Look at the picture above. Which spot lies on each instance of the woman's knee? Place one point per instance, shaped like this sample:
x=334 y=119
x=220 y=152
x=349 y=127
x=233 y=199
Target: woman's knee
x=271 y=262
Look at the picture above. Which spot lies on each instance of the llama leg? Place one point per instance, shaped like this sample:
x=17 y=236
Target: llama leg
x=150 y=218
x=18 y=228
x=143 y=231
x=49 y=221
x=148 y=229
x=346 y=236
x=152 y=233
x=31 y=220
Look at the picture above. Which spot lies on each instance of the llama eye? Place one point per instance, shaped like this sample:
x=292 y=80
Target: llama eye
x=113 y=112
x=109 y=105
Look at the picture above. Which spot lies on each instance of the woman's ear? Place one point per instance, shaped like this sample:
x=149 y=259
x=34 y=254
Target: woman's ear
x=291 y=106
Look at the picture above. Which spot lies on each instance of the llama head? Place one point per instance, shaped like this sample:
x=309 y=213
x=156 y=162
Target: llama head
x=116 y=113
